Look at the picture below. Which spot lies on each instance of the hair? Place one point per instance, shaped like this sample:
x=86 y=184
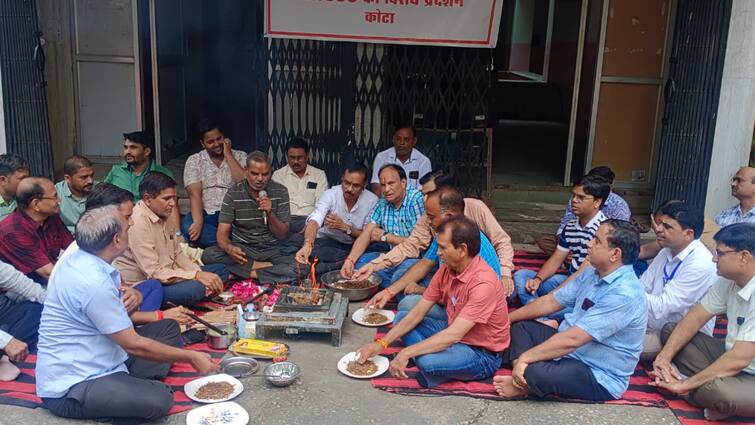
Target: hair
x=399 y=169
x=463 y=231
x=625 y=237
x=686 y=216
x=10 y=163
x=97 y=227
x=75 y=163
x=739 y=236
x=404 y=124
x=141 y=137
x=258 y=156
x=154 y=183
x=357 y=167
x=440 y=178
x=30 y=190
x=450 y=199
x=206 y=125
x=297 y=143
x=665 y=204
x=604 y=172
x=105 y=194
x=596 y=186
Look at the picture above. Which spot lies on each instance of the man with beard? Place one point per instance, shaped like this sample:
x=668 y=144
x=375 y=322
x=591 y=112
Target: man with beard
x=137 y=148
x=77 y=183
x=253 y=219
x=207 y=176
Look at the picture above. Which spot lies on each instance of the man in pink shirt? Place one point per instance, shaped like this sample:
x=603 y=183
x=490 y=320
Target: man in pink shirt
x=468 y=345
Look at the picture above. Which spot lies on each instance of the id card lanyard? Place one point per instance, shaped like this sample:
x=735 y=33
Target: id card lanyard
x=667 y=277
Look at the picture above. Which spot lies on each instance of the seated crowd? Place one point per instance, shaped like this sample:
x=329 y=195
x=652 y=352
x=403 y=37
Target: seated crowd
x=98 y=276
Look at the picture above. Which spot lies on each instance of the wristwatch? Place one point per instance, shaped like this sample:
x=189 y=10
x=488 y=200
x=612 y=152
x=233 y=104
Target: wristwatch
x=348 y=230
x=384 y=237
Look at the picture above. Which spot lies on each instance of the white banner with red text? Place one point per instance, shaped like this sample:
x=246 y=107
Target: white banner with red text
x=464 y=23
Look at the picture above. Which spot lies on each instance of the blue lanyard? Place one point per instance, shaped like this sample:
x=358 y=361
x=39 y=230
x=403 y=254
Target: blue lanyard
x=668 y=277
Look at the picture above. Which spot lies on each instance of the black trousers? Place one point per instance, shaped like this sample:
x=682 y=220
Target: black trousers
x=282 y=270
x=568 y=378
x=124 y=397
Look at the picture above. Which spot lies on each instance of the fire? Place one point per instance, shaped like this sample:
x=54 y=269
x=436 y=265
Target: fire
x=313 y=276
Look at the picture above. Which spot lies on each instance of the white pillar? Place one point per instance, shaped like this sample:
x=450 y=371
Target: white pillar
x=736 y=108
x=3 y=149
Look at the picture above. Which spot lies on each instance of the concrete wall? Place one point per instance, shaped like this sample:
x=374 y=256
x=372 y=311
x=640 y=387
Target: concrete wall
x=55 y=23
x=736 y=109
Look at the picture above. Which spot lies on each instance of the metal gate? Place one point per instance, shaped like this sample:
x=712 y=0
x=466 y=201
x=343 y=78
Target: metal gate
x=691 y=96
x=27 y=127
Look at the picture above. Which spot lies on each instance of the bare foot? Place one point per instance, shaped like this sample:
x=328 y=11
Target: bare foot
x=505 y=387
x=8 y=371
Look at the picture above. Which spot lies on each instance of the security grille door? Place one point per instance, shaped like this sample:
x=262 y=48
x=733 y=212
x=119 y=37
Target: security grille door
x=691 y=95
x=27 y=129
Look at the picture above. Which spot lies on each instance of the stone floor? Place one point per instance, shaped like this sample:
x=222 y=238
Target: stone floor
x=324 y=396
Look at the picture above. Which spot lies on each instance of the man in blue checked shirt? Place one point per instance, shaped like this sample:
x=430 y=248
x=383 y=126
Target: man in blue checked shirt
x=392 y=220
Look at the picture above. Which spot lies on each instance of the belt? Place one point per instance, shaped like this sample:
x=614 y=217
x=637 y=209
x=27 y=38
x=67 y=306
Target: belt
x=492 y=353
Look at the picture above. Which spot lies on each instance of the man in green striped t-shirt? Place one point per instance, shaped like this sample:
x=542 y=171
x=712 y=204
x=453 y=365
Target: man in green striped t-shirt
x=254 y=217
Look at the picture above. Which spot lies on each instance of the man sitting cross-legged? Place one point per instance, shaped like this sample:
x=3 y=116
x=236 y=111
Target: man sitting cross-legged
x=441 y=205
x=720 y=375
x=91 y=362
x=588 y=196
x=596 y=349
x=154 y=253
x=679 y=276
x=254 y=218
x=339 y=217
x=467 y=343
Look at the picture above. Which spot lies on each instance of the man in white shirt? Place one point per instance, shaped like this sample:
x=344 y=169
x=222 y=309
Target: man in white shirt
x=207 y=176
x=402 y=153
x=679 y=276
x=339 y=217
x=305 y=183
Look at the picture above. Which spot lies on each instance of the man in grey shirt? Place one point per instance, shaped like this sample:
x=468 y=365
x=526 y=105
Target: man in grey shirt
x=20 y=309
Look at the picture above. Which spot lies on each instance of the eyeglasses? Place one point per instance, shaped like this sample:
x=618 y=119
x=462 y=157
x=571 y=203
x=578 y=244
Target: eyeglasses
x=719 y=254
x=580 y=198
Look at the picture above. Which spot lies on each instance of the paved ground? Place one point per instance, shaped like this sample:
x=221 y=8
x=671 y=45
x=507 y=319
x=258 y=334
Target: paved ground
x=324 y=396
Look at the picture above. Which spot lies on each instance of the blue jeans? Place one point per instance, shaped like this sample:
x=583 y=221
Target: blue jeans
x=209 y=229
x=190 y=292
x=390 y=274
x=459 y=361
x=547 y=286
x=153 y=293
x=408 y=302
x=20 y=319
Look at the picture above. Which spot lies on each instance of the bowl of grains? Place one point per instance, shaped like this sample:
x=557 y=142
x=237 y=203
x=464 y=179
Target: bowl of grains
x=213 y=388
x=354 y=290
x=373 y=367
x=373 y=317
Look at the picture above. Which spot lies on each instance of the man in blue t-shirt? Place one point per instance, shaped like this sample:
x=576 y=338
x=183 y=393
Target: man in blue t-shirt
x=588 y=196
x=441 y=205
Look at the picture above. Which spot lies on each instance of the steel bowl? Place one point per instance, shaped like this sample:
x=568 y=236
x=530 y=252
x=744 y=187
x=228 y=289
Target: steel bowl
x=330 y=278
x=218 y=341
x=282 y=374
x=239 y=367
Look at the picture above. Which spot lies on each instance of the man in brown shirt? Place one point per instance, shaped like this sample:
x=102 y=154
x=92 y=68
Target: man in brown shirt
x=154 y=253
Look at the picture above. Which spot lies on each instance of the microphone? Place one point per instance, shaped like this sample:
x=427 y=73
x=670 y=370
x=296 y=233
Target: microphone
x=263 y=195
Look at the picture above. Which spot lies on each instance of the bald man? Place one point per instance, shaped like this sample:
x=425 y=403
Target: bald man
x=742 y=188
x=34 y=235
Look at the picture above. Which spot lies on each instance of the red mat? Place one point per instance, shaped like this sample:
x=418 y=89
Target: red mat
x=639 y=392
x=22 y=391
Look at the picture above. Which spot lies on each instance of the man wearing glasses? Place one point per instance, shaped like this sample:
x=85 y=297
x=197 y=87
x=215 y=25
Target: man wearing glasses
x=588 y=196
x=34 y=235
x=717 y=375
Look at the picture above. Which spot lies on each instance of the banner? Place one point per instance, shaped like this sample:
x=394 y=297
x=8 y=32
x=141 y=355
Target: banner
x=464 y=23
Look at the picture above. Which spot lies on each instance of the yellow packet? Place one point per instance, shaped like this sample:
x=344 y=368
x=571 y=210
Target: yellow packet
x=259 y=347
